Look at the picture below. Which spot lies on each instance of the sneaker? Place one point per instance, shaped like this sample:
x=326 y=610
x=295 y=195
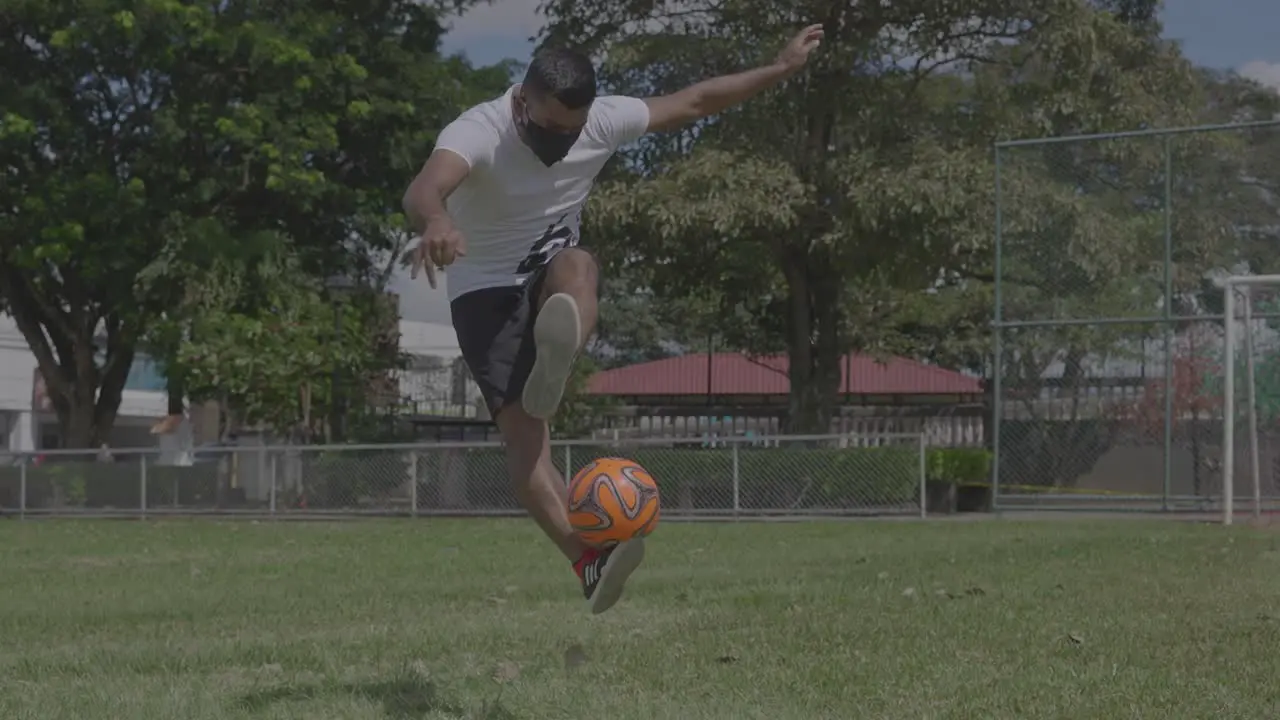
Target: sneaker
x=605 y=572
x=556 y=333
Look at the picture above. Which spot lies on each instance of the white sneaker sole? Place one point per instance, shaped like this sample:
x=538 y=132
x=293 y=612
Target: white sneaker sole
x=624 y=561
x=556 y=334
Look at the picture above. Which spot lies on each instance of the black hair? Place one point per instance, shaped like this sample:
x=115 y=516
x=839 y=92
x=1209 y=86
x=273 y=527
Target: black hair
x=566 y=75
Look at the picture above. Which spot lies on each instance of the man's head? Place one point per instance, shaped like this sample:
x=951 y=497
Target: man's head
x=554 y=101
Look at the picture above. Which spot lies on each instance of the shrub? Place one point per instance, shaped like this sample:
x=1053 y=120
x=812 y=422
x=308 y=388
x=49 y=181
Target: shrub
x=959 y=465
x=775 y=478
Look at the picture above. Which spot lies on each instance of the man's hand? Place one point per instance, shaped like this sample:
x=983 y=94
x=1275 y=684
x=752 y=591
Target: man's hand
x=440 y=245
x=796 y=53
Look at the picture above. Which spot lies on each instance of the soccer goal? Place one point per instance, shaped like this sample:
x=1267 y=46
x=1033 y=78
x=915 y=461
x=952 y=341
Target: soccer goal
x=1250 y=388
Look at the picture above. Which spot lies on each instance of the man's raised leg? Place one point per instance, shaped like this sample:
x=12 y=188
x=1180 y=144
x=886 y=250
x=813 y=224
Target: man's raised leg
x=566 y=317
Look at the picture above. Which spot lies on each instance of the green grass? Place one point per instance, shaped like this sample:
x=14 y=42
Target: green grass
x=476 y=619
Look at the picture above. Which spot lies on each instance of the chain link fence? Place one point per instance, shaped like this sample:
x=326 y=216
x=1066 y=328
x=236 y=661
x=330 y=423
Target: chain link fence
x=801 y=476
x=1109 y=325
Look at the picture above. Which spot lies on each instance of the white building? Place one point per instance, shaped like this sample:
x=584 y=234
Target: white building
x=433 y=384
x=435 y=381
x=26 y=423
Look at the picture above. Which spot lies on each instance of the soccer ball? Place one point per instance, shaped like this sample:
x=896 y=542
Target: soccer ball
x=612 y=500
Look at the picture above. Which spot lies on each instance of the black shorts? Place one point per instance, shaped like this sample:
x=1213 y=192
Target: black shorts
x=495 y=334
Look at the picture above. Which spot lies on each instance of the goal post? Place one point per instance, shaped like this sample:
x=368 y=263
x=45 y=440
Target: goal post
x=1239 y=294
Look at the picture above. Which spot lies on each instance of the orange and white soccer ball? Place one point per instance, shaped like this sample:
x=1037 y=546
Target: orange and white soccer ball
x=613 y=500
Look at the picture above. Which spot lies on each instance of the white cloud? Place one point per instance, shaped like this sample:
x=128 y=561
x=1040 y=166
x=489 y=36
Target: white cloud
x=1267 y=73
x=515 y=18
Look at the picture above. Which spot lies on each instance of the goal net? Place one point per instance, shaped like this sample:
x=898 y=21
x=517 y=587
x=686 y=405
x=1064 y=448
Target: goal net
x=1250 y=395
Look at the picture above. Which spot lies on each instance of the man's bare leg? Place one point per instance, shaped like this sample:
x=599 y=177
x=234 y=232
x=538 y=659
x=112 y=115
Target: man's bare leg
x=566 y=316
x=567 y=313
x=537 y=485
x=574 y=272
x=542 y=492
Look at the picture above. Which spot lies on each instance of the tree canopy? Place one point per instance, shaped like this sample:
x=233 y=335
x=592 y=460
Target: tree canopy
x=851 y=209
x=134 y=134
x=182 y=176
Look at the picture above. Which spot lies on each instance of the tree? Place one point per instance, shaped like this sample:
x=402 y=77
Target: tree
x=132 y=134
x=865 y=211
x=264 y=341
x=1247 y=188
x=1189 y=393
x=636 y=326
x=1084 y=226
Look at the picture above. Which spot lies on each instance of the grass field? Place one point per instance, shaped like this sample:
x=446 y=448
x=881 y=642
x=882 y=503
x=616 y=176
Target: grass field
x=188 y=620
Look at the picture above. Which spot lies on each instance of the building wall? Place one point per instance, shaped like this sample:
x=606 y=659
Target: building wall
x=17 y=367
x=436 y=381
x=17 y=375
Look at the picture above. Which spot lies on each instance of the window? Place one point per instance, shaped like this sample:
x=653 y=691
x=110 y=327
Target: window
x=145 y=375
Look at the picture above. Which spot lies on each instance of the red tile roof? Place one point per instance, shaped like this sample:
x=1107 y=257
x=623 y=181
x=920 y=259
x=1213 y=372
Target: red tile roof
x=734 y=374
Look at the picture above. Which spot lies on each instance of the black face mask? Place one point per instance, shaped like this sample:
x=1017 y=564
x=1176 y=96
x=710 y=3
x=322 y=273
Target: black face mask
x=550 y=146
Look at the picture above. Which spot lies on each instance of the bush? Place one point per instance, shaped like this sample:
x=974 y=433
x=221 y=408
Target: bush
x=341 y=479
x=775 y=478
x=702 y=478
x=959 y=466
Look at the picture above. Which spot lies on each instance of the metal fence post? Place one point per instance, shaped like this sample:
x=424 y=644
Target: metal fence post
x=261 y=471
x=22 y=489
x=1252 y=405
x=737 y=484
x=924 y=477
x=568 y=463
x=1229 y=395
x=1168 y=325
x=413 y=483
x=142 y=487
x=426 y=473
x=997 y=369
x=272 y=490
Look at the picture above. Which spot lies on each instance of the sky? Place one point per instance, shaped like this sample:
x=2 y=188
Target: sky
x=1224 y=34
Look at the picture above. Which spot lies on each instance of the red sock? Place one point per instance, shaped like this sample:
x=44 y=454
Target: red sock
x=588 y=556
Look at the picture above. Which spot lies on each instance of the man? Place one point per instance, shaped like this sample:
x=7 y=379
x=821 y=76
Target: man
x=498 y=203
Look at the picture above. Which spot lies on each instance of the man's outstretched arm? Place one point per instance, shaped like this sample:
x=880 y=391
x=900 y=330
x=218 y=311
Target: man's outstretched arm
x=424 y=201
x=668 y=112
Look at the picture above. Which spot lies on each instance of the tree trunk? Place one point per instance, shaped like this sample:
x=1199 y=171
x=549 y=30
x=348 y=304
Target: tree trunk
x=77 y=427
x=1061 y=462
x=813 y=340
x=76 y=406
x=85 y=396
x=176 y=395
x=86 y=418
x=813 y=287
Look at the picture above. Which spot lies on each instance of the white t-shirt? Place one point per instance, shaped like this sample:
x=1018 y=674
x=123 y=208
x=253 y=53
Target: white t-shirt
x=515 y=212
